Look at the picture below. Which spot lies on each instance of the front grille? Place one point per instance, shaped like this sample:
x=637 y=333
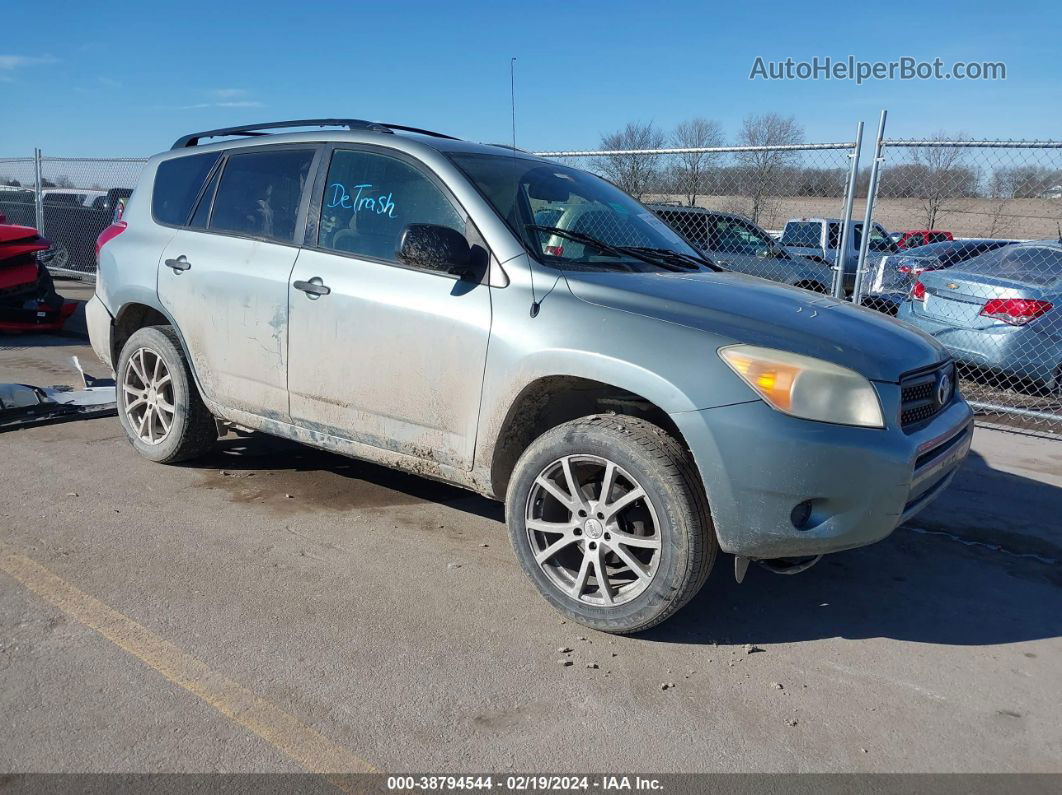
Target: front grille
x=920 y=394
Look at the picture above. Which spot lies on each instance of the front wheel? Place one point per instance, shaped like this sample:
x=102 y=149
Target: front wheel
x=609 y=520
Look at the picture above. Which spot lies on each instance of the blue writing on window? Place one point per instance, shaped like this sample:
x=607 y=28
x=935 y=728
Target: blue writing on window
x=383 y=204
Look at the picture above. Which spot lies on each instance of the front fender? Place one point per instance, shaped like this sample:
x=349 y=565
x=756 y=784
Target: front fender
x=672 y=366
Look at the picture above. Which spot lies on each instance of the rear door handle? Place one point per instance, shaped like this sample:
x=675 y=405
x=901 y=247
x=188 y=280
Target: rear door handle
x=179 y=264
x=314 y=288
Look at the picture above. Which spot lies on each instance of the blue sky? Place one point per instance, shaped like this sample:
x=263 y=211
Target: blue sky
x=128 y=78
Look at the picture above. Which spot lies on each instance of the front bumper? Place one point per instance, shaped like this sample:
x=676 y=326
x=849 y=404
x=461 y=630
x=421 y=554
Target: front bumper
x=758 y=464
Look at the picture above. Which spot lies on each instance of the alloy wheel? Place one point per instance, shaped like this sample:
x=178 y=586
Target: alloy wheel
x=149 y=405
x=593 y=530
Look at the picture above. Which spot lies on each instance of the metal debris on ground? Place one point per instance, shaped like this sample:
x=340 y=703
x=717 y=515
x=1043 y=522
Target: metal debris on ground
x=24 y=405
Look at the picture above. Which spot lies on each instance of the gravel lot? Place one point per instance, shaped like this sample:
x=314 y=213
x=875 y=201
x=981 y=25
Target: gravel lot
x=274 y=603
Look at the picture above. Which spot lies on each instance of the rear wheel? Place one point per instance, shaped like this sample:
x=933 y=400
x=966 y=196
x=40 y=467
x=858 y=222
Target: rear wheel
x=158 y=403
x=609 y=520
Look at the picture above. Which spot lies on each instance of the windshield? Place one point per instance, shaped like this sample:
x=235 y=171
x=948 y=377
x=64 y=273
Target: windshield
x=549 y=206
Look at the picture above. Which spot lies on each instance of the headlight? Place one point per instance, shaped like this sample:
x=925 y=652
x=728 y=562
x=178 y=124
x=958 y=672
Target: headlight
x=806 y=387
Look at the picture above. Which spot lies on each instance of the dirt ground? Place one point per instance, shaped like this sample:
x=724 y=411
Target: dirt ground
x=1022 y=219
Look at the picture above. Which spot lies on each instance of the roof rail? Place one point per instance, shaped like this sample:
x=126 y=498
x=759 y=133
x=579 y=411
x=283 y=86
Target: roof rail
x=192 y=139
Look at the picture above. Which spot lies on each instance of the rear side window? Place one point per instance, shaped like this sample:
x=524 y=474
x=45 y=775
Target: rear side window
x=692 y=226
x=260 y=192
x=835 y=235
x=801 y=233
x=177 y=184
x=937 y=237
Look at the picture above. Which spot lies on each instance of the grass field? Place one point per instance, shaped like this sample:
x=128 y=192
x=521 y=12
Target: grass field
x=1026 y=219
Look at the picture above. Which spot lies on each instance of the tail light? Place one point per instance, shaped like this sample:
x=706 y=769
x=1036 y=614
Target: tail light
x=1015 y=311
x=555 y=251
x=109 y=234
x=918 y=291
x=913 y=270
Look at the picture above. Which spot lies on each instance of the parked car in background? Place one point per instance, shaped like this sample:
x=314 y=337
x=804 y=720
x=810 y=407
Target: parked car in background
x=1000 y=311
x=74 y=196
x=819 y=239
x=390 y=294
x=895 y=273
x=913 y=238
x=28 y=301
x=736 y=244
x=73 y=219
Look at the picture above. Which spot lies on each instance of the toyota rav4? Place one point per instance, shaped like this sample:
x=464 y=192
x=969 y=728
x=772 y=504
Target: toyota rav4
x=526 y=330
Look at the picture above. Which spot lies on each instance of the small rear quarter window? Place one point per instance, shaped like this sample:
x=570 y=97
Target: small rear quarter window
x=177 y=184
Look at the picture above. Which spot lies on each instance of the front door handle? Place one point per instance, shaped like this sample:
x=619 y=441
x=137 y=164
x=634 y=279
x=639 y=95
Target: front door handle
x=179 y=264
x=314 y=288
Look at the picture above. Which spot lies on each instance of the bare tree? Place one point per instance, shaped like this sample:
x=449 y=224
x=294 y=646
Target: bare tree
x=633 y=173
x=762 y=167
x=691 y=167
x=944 y=177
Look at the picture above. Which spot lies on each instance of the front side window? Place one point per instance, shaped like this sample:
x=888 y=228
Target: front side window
x=177 y=184
x=370 y=198
x=260 y=192
x=879 y=239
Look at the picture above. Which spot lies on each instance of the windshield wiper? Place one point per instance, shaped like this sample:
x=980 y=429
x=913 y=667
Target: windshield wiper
x=689 y=261
x=615 y=251
x=578 y=237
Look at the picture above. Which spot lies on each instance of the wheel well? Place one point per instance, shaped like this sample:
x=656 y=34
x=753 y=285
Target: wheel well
x=131 y=319
x=554 y=400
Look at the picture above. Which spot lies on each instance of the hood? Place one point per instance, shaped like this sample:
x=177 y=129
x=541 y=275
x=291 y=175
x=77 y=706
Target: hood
x=740 y=308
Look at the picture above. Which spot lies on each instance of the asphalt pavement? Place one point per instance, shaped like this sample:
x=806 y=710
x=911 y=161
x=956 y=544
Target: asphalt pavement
x=275 y=608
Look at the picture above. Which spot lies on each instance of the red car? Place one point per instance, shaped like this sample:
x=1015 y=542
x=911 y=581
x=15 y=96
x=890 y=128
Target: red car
x=913 y=238
x=28 y=301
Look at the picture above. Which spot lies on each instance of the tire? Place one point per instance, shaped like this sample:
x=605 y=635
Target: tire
x=191 y=430
x=641 y=455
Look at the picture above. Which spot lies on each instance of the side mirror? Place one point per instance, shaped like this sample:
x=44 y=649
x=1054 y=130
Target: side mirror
x=436 y=247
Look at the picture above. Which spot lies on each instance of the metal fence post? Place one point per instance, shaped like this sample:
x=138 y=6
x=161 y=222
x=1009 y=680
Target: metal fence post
x=868 y=217
x=849 y=200
x=38 y=202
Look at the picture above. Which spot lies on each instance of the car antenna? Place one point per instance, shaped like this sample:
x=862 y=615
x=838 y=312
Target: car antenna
x=512 y=104
x=535 y=306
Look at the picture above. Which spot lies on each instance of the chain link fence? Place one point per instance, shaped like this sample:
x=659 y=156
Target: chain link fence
x=74 y=202
x=975 y=259
x=733 y=204
x=964 y=240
